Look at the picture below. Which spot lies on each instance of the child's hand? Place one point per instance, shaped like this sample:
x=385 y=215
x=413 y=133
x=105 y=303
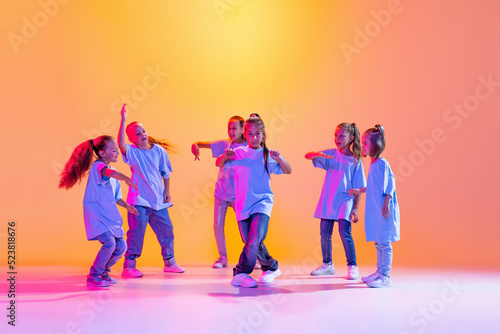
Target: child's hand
x=326 y=156
x=354 y=215
x=275 y=154
x=123 y=112
x=196 y=151
x=166 y=197
x=229 y=153
x=386 y=212
x=130 y=183
x=132 y=209
x=353 y=192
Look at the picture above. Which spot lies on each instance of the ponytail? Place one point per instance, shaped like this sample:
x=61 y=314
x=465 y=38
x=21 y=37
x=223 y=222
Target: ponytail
x=356 y=143
x=80 y=161
x=169 y=147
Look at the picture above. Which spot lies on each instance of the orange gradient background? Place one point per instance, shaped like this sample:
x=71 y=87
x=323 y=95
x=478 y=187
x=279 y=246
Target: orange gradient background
x=66 y=67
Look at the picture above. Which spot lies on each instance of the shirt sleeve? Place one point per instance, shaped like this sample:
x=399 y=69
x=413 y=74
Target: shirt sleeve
x=118 y=191
x=358 y=179
x=218 y=147
x=389 y=180
x=126 y=157
x=165 y=167
x=100 y=167
x=322 y=163
x=273 y=166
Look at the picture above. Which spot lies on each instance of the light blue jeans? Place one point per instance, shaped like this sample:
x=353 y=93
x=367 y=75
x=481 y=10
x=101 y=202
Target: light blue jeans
x=326 y=230
x=160 y=223
x=111 y=251
x=384 y=257
x=253 y=231
x=220 y=210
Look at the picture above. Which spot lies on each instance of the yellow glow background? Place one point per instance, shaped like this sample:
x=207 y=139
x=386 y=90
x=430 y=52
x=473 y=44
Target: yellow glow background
x=62 y=80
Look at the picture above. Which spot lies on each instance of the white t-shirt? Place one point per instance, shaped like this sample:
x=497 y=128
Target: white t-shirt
x=342 y=174
x=149 y=168
x=99 y=204
x=381 y=182
x=251 y=181
x=224 y=187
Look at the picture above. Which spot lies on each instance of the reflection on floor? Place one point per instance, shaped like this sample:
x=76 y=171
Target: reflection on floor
x=56 y=300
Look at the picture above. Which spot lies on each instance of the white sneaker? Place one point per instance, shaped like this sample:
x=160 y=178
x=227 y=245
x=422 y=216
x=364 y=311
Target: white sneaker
x=352 y=272
x=380 y=282
x=244 y=280
x=175 y=268
x=324 y=269
x=370 y=278
x=131 y=272
x=221 y=262
x=268 y=276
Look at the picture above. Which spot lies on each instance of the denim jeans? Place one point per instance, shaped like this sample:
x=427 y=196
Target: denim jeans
x=326 y=230
x=384 y=257
x=253 y=231
x=111 y=251
x=220 y=210
x=161 y=225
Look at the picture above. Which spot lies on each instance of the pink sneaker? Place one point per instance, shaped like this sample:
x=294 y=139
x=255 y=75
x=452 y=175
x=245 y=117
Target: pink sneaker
x=174 y=268
x=131 y=272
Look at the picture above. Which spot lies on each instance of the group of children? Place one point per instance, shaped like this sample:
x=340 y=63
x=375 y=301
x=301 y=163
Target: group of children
x=243 y=183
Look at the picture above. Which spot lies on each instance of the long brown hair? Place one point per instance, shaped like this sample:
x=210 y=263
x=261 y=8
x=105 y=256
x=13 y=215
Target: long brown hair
x=258 y=122
x=168 y=146
x=81 y=159
x=355 y=145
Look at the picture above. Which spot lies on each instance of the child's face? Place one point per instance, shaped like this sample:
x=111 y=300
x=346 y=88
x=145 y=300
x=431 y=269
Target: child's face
x=138 y=136
x=342 y=138
x=234 y=130
x=254 y=136
x=110 y=152
x=365 y=145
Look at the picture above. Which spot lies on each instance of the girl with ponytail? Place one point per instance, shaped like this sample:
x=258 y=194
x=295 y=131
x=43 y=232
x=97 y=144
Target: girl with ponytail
x=103 y=222
x=382 y=209
x=344 y=171
x=252 y=166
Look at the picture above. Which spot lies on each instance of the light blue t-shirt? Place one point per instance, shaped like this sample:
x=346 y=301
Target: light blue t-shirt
x=224 y=187
x=149 y=168
x=99 y=204
x=381 y=182
x=342 y=174
x=251 y=181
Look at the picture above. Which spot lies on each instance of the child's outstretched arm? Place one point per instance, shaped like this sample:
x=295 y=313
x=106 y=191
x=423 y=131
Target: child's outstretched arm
x=314 y=154
x=195 y=148
x=130 y=208
x=121 y=131
x=221 y=160
x=285 y=165
x=119 y=176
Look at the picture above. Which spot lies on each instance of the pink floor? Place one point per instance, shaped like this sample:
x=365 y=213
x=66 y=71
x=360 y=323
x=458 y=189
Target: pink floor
x=56 y=300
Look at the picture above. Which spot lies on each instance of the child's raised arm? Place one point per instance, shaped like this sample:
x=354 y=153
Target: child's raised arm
x=221 y=160
x=121 y=131
x=314 y=154
x=195 y=148
x=285 y=165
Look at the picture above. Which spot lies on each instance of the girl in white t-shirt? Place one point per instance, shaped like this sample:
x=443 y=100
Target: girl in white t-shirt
x=224 y=187
x=344 y=171
x=382 y=208
x=103 y=222
x=252 y=166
